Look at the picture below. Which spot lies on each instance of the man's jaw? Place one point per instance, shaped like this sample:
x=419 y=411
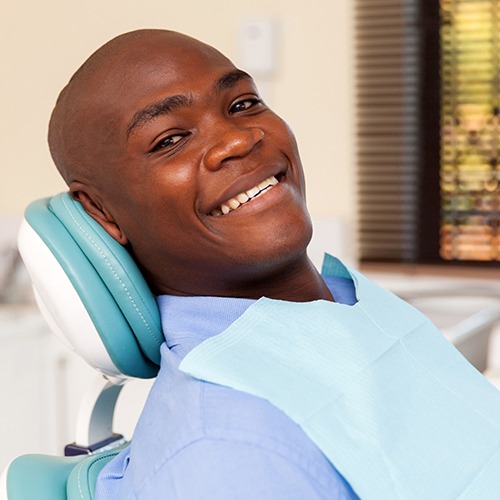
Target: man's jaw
x=245 y=197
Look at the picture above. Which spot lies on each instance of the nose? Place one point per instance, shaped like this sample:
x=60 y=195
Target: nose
x=232 y=142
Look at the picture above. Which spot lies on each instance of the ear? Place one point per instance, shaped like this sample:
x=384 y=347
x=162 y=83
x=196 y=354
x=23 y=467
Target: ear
x=93 y=206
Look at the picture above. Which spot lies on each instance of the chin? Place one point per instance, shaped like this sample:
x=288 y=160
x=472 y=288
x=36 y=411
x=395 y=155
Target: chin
x=282 y=245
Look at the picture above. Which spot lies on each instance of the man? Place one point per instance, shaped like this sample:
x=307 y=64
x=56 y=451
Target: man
x=170 y=148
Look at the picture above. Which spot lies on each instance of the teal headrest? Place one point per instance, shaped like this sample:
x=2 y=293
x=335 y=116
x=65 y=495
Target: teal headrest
x=107 y=280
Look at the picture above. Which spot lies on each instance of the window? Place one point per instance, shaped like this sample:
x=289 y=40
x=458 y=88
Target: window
x=427 y=130
x=470 y=134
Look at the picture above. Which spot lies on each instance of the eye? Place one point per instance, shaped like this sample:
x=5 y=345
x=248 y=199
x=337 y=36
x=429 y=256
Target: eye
x=168 y=142
x=244 y=105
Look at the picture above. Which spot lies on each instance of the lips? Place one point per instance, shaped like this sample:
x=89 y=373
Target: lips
x=245 y=197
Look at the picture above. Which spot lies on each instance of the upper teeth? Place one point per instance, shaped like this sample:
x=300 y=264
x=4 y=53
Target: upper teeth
x=240 y=199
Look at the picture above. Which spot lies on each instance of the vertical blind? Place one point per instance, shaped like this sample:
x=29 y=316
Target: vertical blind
x=387 y=125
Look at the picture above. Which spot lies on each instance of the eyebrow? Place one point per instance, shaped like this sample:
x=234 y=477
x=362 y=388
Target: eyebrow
x=162 y=107
x=231 y=79
x=171 y=103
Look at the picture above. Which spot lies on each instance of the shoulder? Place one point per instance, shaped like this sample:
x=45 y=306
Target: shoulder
x=232 y=415
x=193 y=428
x=181 y=409
x=227 y=469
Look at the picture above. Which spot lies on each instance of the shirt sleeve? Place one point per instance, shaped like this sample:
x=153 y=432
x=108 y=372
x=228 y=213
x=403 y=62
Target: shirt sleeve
x=216 y=469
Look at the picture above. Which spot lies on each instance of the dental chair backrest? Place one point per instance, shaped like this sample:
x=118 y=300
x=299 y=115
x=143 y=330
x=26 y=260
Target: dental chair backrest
x=94 y=297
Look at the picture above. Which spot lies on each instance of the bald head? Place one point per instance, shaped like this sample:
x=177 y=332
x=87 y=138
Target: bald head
x=84 y=137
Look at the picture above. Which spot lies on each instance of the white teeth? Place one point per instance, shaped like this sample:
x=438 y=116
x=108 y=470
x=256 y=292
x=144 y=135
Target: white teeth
x=233 y=203
x=252 y=192
x=242 y=198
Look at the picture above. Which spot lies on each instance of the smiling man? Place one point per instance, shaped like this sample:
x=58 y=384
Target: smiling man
x=273 y=378
x=170 y=148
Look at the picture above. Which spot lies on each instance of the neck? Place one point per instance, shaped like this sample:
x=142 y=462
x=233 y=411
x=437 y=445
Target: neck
x=294 y=281
x=298 y=282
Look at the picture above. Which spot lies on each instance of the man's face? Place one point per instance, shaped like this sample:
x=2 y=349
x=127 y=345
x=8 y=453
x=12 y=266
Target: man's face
x=208 y=186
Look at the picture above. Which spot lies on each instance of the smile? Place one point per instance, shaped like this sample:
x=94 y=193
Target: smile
x=245 y=197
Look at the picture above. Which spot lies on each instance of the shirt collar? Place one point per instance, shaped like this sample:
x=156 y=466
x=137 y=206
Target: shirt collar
x=188 y=321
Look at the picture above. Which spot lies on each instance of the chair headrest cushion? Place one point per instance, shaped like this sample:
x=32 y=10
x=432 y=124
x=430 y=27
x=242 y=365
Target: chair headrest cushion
x=107 y=280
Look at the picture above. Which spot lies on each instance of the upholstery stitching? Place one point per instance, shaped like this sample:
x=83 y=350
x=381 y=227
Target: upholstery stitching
x=81 y=466
x=94 y=243
x=79 y=483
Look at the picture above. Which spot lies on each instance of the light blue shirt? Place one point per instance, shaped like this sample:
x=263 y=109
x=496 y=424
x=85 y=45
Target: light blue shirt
x=197 y=440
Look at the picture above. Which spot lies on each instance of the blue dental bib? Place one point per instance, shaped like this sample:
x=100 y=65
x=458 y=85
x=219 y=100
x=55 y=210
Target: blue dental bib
x=389 y=401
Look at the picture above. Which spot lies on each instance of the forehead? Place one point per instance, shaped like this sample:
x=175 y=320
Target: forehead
x=131 y=76
x=157 y=67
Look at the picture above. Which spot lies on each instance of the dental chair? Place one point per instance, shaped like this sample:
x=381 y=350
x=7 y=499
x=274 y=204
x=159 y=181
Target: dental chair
x=96 y=300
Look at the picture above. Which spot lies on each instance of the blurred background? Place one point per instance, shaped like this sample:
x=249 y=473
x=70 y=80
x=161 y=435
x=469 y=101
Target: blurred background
x=395 y=106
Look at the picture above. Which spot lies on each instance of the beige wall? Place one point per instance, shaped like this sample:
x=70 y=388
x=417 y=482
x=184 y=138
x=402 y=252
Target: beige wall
x=43 y=43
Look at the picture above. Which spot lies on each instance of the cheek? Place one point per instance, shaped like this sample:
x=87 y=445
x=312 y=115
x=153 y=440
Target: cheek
x=285 y=137
x=167 y=186
x=287 y=143
x=147 y=206
x=168 y=205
